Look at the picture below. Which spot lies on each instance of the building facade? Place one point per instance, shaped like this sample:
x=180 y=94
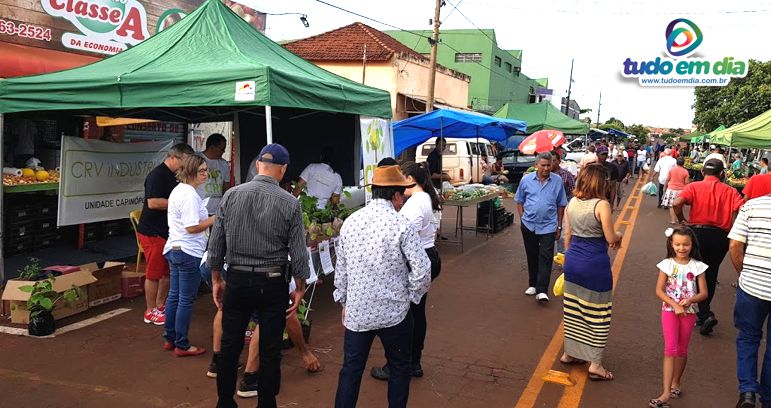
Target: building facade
x=369 y=56
x=496 y=74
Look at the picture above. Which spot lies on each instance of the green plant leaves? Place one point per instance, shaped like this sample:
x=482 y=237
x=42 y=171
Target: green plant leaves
x=26 y=288
x=46 y=303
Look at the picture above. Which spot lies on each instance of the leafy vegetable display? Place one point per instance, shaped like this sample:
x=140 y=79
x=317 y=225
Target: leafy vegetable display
x=323 y=223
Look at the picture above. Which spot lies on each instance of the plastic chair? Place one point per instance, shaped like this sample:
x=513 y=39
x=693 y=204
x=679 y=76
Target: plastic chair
x=134 y=217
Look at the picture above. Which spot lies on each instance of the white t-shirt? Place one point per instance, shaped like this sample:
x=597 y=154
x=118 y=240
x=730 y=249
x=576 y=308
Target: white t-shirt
x=418 y=210
x=322 y=182
x=681 y=281
x=716 y=156
x=663 y=166
x=641 y=155
x=219 y=172
x=186 y=209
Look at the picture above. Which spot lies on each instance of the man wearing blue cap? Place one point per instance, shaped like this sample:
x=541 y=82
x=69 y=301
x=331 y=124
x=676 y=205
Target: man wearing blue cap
x=259 y=227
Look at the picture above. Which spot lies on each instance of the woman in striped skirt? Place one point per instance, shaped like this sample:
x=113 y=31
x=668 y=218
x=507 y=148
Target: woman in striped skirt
x=588 y=279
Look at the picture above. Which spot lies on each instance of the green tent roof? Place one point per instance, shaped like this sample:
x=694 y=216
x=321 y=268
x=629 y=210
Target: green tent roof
x=195 y=63
x=542 y=115
x=755 y=132
x=706 y=137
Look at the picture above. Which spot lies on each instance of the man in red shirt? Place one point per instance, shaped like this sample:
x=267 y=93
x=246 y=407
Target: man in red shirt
x=713 y=207
x=758 y=186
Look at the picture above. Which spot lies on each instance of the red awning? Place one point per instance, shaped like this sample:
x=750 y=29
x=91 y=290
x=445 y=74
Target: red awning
x=21 y=60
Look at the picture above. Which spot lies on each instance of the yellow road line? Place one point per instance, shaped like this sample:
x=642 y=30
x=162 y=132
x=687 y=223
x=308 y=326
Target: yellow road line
x=572 y=395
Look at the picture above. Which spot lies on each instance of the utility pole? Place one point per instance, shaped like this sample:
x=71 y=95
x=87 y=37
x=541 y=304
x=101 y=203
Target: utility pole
x=570 y=86
x=434 y=41
x=599 y=104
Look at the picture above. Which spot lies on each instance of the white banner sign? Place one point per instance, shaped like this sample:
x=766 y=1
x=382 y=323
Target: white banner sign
x=377 y=142
x=103 y=181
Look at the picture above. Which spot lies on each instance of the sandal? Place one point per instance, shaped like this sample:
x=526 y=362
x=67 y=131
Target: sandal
x=573 y=361
x=656 y=403
x=608 y=376
x=675 y=392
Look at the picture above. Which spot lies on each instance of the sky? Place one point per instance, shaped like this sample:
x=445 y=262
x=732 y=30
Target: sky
x=597 y=34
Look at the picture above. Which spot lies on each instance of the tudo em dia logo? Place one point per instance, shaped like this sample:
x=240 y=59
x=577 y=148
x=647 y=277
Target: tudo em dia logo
x=679 y=68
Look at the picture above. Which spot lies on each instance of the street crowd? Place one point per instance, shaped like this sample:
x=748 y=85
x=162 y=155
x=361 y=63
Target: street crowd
x=248 y=244
x=720 y=221
x=254 y=258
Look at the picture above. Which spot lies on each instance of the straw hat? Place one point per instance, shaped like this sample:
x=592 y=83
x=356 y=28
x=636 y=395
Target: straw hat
x=389 y=176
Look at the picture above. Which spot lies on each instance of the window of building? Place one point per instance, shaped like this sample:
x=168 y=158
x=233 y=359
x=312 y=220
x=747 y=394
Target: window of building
x=508 y=67
x=468 y=57
x=497 y=61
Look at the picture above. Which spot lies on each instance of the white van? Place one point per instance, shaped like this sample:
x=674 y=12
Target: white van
x=462 y=158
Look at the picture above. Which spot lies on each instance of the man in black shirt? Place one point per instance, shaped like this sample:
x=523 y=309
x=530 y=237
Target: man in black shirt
x=622 y=177
x=602 y=158
x=153 y=231
x=434 y=160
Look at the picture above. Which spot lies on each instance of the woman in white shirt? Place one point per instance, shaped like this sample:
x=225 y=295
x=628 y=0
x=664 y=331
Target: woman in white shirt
x=642 y=159
x=188 y=220
x=419 y=210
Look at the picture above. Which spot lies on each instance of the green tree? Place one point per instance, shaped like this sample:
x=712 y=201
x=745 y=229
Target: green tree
x=613 y=123
x=638 y=130
x=742 y=99
x=678 y=131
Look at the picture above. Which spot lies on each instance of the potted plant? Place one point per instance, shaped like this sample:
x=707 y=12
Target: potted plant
x=42 y=301
x=305 y=324
x=32 y=271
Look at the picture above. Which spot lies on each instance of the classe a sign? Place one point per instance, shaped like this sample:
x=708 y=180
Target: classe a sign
x=106 y=26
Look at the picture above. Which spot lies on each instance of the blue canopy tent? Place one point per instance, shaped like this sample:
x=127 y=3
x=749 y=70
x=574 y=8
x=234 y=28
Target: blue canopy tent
x=513 y=142
x=618 y=133
x=452 y=123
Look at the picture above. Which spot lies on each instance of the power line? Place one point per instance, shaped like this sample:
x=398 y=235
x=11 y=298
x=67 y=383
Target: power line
x=472 y=23
x=369 y=18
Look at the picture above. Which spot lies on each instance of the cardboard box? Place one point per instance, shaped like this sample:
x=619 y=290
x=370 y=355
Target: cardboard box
x=18 y=299
x=108 y=285
x=132 y=284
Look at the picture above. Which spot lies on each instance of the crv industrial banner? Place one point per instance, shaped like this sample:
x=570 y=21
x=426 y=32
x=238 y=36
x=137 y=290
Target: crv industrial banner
x=103 y=181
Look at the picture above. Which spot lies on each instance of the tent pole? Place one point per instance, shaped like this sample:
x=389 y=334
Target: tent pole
x=441 y=156
x=2 y=209
x=479 y=179
x=268 y=124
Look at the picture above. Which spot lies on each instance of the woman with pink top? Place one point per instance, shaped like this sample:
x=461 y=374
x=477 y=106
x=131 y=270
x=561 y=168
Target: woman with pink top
x=678 y=178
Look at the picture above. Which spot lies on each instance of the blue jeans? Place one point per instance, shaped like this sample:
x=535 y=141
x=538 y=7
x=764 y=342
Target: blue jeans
x=750 y=314
x=397 y=341
x=183 y=287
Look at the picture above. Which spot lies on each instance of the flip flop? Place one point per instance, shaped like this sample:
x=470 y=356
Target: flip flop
x=675 y=393
x=573 y=361
x=655 y=403
x=608 y=376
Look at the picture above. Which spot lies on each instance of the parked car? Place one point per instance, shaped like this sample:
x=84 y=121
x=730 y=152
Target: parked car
x=516 y=163
x=574 y=151
x=462 y=158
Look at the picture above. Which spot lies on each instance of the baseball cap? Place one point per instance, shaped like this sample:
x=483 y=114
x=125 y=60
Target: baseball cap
x=715 y=164
x=602 y=149
x=274 y=153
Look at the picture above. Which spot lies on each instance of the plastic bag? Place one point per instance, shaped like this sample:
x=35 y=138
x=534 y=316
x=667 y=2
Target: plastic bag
x=646 y=167
x=559 y=286
x=41 y=324
x=649 y=189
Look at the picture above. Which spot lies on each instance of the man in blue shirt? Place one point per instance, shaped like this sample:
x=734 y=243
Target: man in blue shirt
x=541 y=202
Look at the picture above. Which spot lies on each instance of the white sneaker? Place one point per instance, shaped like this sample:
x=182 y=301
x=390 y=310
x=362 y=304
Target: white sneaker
x=530 y=291
x=542 y=297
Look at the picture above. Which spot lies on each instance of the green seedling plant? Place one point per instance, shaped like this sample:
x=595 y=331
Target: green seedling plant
x=30 y=271
x=43 y=298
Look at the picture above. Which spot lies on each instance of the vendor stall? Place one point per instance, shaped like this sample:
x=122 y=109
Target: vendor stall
x=212 y=66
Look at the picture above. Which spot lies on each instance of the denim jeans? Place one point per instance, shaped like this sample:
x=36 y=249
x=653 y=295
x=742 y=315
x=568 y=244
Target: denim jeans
x=750 y=314
x=183 y=287
x=356 y=345
x=245 y=293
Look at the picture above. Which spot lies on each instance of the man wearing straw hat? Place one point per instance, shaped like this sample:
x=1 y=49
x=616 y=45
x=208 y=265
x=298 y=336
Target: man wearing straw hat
x=381 y=268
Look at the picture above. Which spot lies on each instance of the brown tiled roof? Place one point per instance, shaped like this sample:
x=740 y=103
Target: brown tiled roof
x=347 y=44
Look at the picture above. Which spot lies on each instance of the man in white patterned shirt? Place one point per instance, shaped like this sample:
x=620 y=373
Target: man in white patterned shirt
x=750 y=250
x=381 y=268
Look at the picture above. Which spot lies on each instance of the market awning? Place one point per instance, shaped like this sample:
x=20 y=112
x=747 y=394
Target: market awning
x=618 y=133
x=452 y=123
x=210 y=64
x=21 y=60
x=705 y=137
x=755 y=132
x=542 y=115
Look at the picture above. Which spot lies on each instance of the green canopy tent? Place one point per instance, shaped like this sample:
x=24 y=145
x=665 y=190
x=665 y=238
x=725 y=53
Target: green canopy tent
x=542 y=115
x=211 y=66
x=706 y=137
x=754 y=133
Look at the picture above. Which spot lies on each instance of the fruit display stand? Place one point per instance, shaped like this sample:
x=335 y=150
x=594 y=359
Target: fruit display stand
x=29 y=188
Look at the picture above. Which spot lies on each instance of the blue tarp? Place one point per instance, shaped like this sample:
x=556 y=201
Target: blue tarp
x=418 y=129
x=513 y=142
x=618 y=133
